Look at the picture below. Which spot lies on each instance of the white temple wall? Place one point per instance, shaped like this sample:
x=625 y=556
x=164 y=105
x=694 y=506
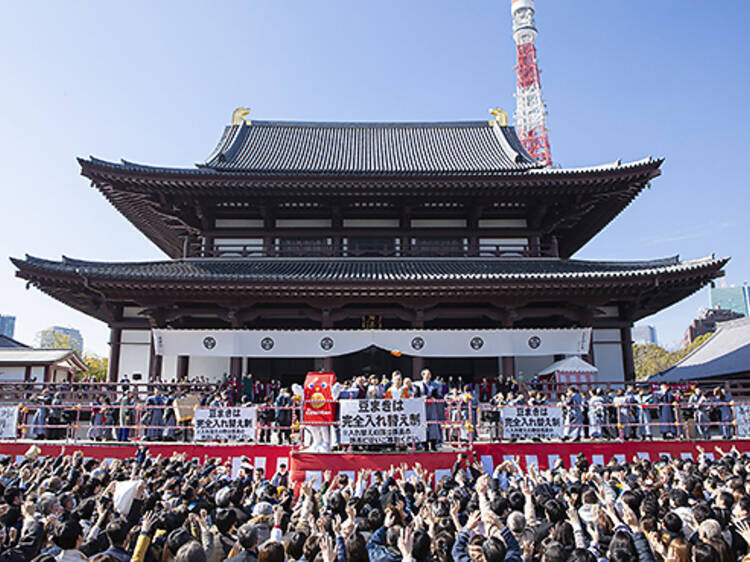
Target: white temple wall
x=135 y=354
x=169 y=368
x=14 y=374
x=608 y=354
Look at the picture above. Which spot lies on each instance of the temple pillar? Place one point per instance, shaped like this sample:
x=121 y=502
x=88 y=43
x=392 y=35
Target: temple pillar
x=113 y=365
x=183 y=366
x=154 y=364
x=509 y=366
x=235 y=367
x=628 y=364
x=27 y=373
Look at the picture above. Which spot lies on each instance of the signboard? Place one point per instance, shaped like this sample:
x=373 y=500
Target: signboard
x=532 y=422
x=383 y=421
x=742 y=412
x=8 y=421
x=319 y=406
x=184 y=407
x=225 y=424
x=685 y=388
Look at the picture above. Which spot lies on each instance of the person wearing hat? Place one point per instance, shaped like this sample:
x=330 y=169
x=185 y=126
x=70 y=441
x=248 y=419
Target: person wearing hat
x=247 y=537
x=281 y=478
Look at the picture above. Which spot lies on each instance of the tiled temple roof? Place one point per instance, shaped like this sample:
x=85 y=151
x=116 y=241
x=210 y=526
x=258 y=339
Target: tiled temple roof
x=363 y=269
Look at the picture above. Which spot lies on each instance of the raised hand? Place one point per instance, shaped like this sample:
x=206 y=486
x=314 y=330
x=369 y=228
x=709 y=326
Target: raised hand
x=483 y=482
x=406 y=542
x=149 y=523
x=327 y=548
x=472 y=521
x=390 y=519
x=575 y=520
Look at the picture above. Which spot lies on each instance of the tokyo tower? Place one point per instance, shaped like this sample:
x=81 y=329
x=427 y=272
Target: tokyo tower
x=531 y=111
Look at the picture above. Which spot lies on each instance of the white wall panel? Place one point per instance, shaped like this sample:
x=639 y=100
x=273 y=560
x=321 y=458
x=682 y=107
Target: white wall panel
x=13 y=374
x=135 y=354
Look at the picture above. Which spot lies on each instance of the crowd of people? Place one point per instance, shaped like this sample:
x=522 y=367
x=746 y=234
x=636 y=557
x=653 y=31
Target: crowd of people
x=145 y=509
x=454 y=409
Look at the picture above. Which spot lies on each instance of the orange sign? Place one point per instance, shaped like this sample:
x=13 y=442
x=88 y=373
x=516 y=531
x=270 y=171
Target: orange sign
x=319 y=405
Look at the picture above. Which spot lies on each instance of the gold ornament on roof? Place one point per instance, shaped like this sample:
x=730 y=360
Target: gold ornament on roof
x=501 y=117
x=239 y=116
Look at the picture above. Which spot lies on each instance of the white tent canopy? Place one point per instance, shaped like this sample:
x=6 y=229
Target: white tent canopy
x=333 y=343
x=569 y=365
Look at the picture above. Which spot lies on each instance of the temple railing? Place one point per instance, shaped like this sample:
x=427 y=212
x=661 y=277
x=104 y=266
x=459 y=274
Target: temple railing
x=460 y=421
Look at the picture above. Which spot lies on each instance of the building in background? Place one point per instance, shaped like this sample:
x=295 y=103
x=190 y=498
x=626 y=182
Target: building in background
x=19 y=362
x=60 y=337
x=706 y=323
x=731 y=298
x=325 y=228
x=645 y=334
x=7 y=325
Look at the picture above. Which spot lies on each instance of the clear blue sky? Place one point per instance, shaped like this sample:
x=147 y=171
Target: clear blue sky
x=156 y=82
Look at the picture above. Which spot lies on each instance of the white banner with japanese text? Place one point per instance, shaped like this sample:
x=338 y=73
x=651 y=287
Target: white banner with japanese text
x=334 y=343
x=8 y=422
x=532 y=422
x=225 y=424
x=382 y=421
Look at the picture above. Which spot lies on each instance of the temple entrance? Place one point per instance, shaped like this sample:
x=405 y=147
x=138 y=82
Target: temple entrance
x=370 y=361
x=286 y=371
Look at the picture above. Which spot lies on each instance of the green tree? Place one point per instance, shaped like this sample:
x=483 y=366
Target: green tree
x=97 y=367
x=49 y=339
x=650 y=359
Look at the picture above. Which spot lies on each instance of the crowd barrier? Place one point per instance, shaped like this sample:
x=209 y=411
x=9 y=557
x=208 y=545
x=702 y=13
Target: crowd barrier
x=459 y=422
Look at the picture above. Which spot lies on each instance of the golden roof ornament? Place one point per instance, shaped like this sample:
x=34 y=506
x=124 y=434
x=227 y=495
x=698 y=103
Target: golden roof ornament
x=239 y=116
x=501 y=117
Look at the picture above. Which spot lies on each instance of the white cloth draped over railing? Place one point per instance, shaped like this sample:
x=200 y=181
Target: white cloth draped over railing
x=331 y=343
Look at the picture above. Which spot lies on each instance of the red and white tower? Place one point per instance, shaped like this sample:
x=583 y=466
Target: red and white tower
x=531 y=112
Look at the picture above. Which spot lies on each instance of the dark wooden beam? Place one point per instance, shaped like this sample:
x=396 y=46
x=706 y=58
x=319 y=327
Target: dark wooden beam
x=113 y=365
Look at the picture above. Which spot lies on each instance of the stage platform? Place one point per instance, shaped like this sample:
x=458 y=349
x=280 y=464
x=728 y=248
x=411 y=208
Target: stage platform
x=304 y=466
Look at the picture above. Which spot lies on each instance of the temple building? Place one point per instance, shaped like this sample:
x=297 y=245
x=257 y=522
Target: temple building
x=348 y=227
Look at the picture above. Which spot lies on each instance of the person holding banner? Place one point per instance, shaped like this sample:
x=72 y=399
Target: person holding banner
x=430 y=390
x=397 y=388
